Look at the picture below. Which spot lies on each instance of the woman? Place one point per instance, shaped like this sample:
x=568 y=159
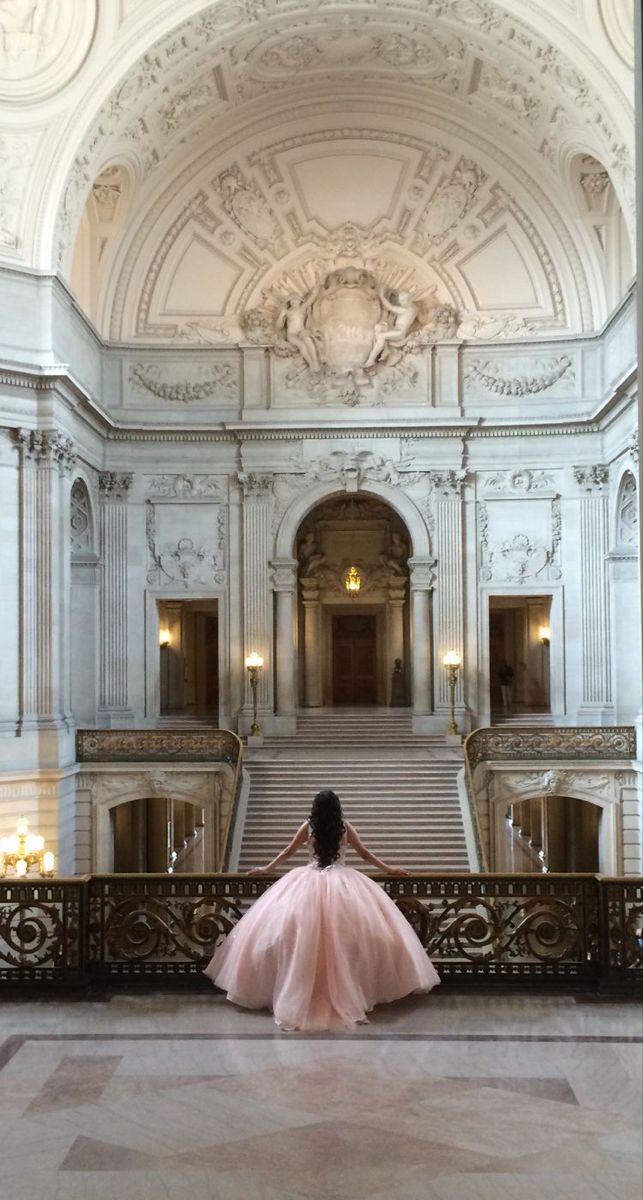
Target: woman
x=324 y=944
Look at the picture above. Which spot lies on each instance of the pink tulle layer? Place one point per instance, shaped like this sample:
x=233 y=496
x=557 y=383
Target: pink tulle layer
x=321 y=948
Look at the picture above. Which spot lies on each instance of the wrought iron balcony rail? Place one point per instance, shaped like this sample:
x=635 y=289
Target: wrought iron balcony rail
x=480 y=930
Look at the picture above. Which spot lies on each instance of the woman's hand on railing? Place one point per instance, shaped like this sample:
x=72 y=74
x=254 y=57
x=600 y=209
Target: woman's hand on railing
x=257 y=871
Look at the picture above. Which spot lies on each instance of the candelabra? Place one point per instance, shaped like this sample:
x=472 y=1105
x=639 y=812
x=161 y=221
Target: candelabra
x=23 y=850
x=254 y=663
x=452 y=662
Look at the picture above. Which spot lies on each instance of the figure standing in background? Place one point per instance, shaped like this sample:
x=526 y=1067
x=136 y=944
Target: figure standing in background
x=506 y=679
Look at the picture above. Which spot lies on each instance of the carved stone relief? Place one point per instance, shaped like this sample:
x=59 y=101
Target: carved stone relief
x=627 y=516
x=523 y=556
x=520 y=481
x=81 y=533
x=218 y=380
x=42 y=44
x=539 y=375
x=190 y=487
x=190 y=560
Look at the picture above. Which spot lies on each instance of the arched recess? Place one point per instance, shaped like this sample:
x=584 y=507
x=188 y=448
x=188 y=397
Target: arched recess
x=622 y=565
x=209 y=790
x=609 y=825
x=314 y=494
x=84 y=620
x=420 y=565
x=601 y=217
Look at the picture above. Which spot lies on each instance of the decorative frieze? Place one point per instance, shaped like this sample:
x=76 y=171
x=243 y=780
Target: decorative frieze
x=520 y=482
x=184 y=561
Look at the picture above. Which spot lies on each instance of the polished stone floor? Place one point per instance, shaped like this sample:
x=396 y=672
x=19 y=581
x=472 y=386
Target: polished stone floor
x=444 y=1097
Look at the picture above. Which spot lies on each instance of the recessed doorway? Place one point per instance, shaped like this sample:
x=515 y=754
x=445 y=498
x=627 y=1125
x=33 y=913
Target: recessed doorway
x=519 y=655
x=354 y=658
x=189 y=657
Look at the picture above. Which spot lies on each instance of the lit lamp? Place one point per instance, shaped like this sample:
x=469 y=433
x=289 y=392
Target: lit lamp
x=23 y=850
x=164 y=639
x=452 y=662
x=353 y=581
x=254 y=663
x=544 y=633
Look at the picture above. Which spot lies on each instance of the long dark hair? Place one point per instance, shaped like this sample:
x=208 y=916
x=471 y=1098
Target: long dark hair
x=327 y=827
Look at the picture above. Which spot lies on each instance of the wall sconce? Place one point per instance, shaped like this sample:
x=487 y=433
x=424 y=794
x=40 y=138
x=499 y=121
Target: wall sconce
x=353 y=581
x=23 y=850
x=165 y=640
x=254 y=663
x=544 y=633
x=452 y=662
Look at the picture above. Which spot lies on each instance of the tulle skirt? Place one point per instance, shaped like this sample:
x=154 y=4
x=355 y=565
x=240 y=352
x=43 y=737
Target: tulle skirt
x=321 y=948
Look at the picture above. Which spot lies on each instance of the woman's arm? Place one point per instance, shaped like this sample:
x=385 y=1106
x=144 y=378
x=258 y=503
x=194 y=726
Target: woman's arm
x=355 y=841
x=300 y=837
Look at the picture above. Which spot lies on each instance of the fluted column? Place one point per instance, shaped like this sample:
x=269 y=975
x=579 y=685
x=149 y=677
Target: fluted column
x=312 y=646
x=448 y=600
x=47 y=457
x=421 y=584
x=257 y=600
x=596 y=635
x=113 y=708
x=284 y=581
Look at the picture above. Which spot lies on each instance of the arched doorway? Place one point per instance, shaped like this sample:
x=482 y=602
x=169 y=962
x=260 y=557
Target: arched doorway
x=352 y=553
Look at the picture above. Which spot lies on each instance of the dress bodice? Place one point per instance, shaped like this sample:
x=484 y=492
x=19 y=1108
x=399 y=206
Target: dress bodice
x=340 y=861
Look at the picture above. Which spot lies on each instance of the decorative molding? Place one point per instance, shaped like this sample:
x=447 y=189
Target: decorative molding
x=115 y=486
x=547 y=372
x=519 y=558
x=43 y=43
x=627 y=513
x=422 y=574
x=447 y=483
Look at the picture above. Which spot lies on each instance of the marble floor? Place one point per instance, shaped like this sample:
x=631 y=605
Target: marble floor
x=445 y=1097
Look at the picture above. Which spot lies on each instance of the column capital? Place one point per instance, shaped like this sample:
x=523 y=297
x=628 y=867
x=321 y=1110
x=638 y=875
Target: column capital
x=448 y=484
x=592 y=479
x=255 y=487
x=284 y=574
x=422 y=573
x=47 y=447
x=114 y=486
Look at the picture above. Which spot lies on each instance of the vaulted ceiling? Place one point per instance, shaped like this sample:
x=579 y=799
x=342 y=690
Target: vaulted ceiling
x=210 y=155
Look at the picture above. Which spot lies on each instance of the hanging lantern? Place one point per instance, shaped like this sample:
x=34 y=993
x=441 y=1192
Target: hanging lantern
x=352 y=581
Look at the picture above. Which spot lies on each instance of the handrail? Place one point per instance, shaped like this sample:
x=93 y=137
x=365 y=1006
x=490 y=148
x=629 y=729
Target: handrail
x=481 y=929
x=473 y=808
x=234 y=808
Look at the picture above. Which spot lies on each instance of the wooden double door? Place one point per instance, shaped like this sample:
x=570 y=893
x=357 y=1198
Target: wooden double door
x=354 y=658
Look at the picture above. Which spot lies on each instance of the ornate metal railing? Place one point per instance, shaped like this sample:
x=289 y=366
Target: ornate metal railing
x=566 y=742
x=158 y=745
x=479 y=930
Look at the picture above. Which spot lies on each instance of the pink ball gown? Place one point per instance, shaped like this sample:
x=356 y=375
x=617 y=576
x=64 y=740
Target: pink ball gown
x=321 y=948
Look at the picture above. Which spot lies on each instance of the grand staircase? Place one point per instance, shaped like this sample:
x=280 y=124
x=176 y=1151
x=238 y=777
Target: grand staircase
x=396 y=787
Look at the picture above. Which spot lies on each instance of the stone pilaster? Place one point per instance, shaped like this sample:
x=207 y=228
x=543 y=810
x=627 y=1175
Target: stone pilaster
x=257 y=600
x=113 y=707
x=448 y=600
x=284 y=582
x=596 y=637
x=422 y=574
x=46 y=459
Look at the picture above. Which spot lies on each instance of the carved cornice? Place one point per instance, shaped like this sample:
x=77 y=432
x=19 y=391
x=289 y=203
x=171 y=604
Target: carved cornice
x=114 y=486
x=47 y=447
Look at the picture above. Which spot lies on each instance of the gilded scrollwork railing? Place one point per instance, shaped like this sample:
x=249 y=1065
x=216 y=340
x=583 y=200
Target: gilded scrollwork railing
x=479 y=929
x=158 y=745
x=562 y=743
